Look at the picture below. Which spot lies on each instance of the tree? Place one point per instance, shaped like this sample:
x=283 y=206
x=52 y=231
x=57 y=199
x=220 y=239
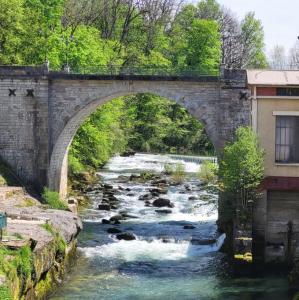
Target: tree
x=252 y=39
x=242 y=170
x=203 y=46
x=11 y=17
x=294 y=57
x=278 y=59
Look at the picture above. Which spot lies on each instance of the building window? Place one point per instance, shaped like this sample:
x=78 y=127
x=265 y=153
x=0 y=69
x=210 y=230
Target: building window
x=287 y=139
x=293 y=92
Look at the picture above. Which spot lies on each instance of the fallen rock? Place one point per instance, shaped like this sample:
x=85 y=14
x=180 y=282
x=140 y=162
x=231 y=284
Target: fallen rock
x=104 y=207
x=126 y=236
x=113 y=230
x=192 y=198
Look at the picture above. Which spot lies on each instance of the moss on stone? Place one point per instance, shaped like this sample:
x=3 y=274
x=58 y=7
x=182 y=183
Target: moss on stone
x=44 y=286
x=60 y=243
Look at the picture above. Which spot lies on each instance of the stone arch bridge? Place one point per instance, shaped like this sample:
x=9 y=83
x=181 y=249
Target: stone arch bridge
x=40 y=112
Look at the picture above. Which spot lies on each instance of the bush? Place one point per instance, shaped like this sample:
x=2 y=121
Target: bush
x=168 y=169
x=53 y=199
x=208 y=172
x=179 y=174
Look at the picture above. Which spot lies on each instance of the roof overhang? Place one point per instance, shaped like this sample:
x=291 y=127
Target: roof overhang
x=273 y=77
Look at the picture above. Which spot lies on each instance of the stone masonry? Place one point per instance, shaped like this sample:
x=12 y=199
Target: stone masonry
x=40 y=112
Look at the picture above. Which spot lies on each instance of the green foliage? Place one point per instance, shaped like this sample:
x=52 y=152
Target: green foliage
x=53 y=200
x=11 y=17
x=253 y=39
x=241 y=172
x=25 y=262
x=98 y=138
x=203 y=46
x=144 y=122
x=5 y=293
x=208 y=172
x=242 y=163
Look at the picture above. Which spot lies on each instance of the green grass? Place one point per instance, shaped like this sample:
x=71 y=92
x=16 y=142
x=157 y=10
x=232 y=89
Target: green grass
x=53 y=199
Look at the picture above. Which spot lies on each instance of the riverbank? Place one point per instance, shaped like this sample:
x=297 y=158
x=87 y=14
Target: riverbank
x=38 y=247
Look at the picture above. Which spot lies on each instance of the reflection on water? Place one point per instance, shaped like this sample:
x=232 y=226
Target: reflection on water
x=166 y=261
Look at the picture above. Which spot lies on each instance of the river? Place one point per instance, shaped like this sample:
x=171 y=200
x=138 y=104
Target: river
x=176 y=251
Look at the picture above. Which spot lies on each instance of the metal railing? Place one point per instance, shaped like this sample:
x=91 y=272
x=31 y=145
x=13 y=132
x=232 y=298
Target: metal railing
x=116 y=70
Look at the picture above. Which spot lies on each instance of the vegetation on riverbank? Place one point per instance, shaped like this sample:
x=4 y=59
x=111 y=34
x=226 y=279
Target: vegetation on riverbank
x=16 y=266
x=241 y=172
x=53 y=200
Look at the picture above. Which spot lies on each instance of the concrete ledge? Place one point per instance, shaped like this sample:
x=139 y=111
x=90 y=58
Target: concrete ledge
x=61 y=75
x=22 y=71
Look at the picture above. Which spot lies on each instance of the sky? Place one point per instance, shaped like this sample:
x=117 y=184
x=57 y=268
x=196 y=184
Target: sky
x=280 y=19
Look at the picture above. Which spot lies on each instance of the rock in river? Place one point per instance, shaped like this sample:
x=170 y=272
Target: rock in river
x=113 y=230
x=189 y=227
x=104 y=207
x=162 y=202
x=104 y=221
x=163 y=211
x=126 y=236
x=203 y=242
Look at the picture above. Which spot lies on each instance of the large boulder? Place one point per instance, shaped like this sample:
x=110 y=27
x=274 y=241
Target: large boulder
x=126 y=236
x=162 y=202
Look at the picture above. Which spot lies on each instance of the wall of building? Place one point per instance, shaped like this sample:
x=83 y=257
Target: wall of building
x=266 y=124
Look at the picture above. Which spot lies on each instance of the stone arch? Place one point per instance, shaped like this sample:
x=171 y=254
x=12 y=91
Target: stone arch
x=57 y=172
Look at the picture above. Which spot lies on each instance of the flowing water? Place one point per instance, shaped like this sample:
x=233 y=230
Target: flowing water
x=166 y=260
